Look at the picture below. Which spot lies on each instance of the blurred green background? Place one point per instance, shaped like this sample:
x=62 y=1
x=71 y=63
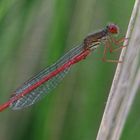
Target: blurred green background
x=33 y=35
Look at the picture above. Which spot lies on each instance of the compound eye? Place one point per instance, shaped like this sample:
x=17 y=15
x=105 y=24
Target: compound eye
x=113 y=29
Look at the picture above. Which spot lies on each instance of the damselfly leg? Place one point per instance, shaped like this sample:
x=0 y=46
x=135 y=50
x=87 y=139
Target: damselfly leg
x=117 y=43
x=108 y=45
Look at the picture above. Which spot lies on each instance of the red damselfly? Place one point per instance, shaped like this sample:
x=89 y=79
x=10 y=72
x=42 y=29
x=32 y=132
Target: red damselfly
x=38 y=86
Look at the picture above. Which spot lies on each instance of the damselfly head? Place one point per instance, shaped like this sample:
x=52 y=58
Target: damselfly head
x=112 y=28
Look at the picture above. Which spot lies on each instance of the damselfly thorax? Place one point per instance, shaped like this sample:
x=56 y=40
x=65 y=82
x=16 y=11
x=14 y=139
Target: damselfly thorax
x=93 y=40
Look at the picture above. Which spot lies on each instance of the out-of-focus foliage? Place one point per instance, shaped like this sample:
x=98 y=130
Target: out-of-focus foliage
x=33 y=35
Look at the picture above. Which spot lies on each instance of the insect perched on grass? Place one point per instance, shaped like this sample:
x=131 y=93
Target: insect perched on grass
x=38 y=86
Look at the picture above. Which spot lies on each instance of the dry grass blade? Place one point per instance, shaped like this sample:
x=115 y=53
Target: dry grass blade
x=125 y=84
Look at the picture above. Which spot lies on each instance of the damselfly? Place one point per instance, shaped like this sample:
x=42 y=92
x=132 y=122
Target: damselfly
x=37 y=87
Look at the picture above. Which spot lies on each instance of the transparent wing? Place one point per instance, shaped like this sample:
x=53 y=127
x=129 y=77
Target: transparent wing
x=38 y=93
